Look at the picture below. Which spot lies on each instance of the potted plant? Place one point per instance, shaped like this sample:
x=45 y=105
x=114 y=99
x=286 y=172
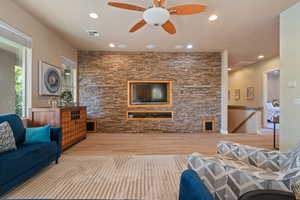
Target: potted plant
x=66 y=98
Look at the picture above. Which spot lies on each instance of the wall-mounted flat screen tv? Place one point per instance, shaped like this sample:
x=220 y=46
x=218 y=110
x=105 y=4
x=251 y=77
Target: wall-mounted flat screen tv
x=150 y=93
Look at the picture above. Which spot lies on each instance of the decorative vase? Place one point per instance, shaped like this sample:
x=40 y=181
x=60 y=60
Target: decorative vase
x=53 y=103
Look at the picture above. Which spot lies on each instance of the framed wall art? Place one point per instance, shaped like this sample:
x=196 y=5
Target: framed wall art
x=250 y=93
x=50 y=79
x=237 y=94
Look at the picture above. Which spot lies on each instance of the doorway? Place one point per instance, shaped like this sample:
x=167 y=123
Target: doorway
x=271 y=100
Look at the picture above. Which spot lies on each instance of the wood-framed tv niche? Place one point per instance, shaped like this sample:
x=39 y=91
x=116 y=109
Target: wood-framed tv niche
x=169 y=94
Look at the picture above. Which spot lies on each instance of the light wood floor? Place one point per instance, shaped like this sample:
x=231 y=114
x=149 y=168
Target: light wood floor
x=163 y=144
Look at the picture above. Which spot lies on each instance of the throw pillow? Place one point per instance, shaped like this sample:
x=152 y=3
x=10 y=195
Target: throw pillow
x=294 y=159
x=36 y=135
x=7 y=139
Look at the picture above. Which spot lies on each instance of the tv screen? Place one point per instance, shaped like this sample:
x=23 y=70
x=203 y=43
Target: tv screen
x=149 y=93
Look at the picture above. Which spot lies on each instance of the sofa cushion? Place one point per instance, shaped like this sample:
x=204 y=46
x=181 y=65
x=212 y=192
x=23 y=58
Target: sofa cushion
x=38 y=134
x=7 y=140
x=236 y=151
x=14 y=163
x=261 y=158
x=16 y=125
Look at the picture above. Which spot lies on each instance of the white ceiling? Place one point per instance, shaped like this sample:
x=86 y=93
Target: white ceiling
x=246 y=28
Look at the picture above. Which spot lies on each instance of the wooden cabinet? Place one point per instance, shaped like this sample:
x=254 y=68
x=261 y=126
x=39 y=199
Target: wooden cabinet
x=72 y=120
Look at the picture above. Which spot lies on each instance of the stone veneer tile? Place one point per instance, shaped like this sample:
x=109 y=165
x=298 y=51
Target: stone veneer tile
x=196 y=80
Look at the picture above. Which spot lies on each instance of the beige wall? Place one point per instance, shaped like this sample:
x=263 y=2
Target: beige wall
x=8 y=61
x=290 y=71
x=47 y=45
x=250 y=76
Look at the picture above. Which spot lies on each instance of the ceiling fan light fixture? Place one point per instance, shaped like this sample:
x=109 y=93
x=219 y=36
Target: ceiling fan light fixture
x=156 y=16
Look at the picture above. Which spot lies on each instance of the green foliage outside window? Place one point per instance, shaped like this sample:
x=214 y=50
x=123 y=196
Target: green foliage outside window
x=19 y=102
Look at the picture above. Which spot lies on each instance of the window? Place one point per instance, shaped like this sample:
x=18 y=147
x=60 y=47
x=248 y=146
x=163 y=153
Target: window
x=15 y=69
x=19 y=90
x=69 y=77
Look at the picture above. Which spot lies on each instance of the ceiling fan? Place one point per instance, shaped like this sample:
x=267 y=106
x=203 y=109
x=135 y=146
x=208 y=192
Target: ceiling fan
x=158 y=15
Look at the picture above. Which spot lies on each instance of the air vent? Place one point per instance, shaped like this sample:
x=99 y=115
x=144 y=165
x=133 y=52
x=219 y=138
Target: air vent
x=93 y=33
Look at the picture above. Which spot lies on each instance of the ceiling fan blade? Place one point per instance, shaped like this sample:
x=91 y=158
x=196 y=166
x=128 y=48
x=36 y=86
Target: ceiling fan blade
x=188 y=9
x=126 y=6
x=137 y=26
x=169 y=27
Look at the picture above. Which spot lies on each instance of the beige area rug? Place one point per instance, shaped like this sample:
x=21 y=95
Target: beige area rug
x=100 y=177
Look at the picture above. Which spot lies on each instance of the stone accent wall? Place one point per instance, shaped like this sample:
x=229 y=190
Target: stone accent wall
x=196 y=77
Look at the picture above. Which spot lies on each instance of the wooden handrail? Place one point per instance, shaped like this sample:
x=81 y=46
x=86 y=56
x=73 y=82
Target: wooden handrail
x=243 y=122
x=245 y=108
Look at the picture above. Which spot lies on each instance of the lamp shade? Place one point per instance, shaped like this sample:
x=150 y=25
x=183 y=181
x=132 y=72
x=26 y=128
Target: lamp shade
x=156 y=16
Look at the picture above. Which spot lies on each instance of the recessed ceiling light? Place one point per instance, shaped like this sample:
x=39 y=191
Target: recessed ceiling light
x=94 y=15
x=93 y=33
x=189 y=46
x=261 y=56
x=229 y=69
x=150 y=46
x=178 y=47
x=213 y=17
x=111 y=45
x=122 y=46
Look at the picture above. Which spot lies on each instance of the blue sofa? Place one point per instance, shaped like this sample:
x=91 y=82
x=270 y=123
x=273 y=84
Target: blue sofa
x=192 y=188
x=18 y=165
